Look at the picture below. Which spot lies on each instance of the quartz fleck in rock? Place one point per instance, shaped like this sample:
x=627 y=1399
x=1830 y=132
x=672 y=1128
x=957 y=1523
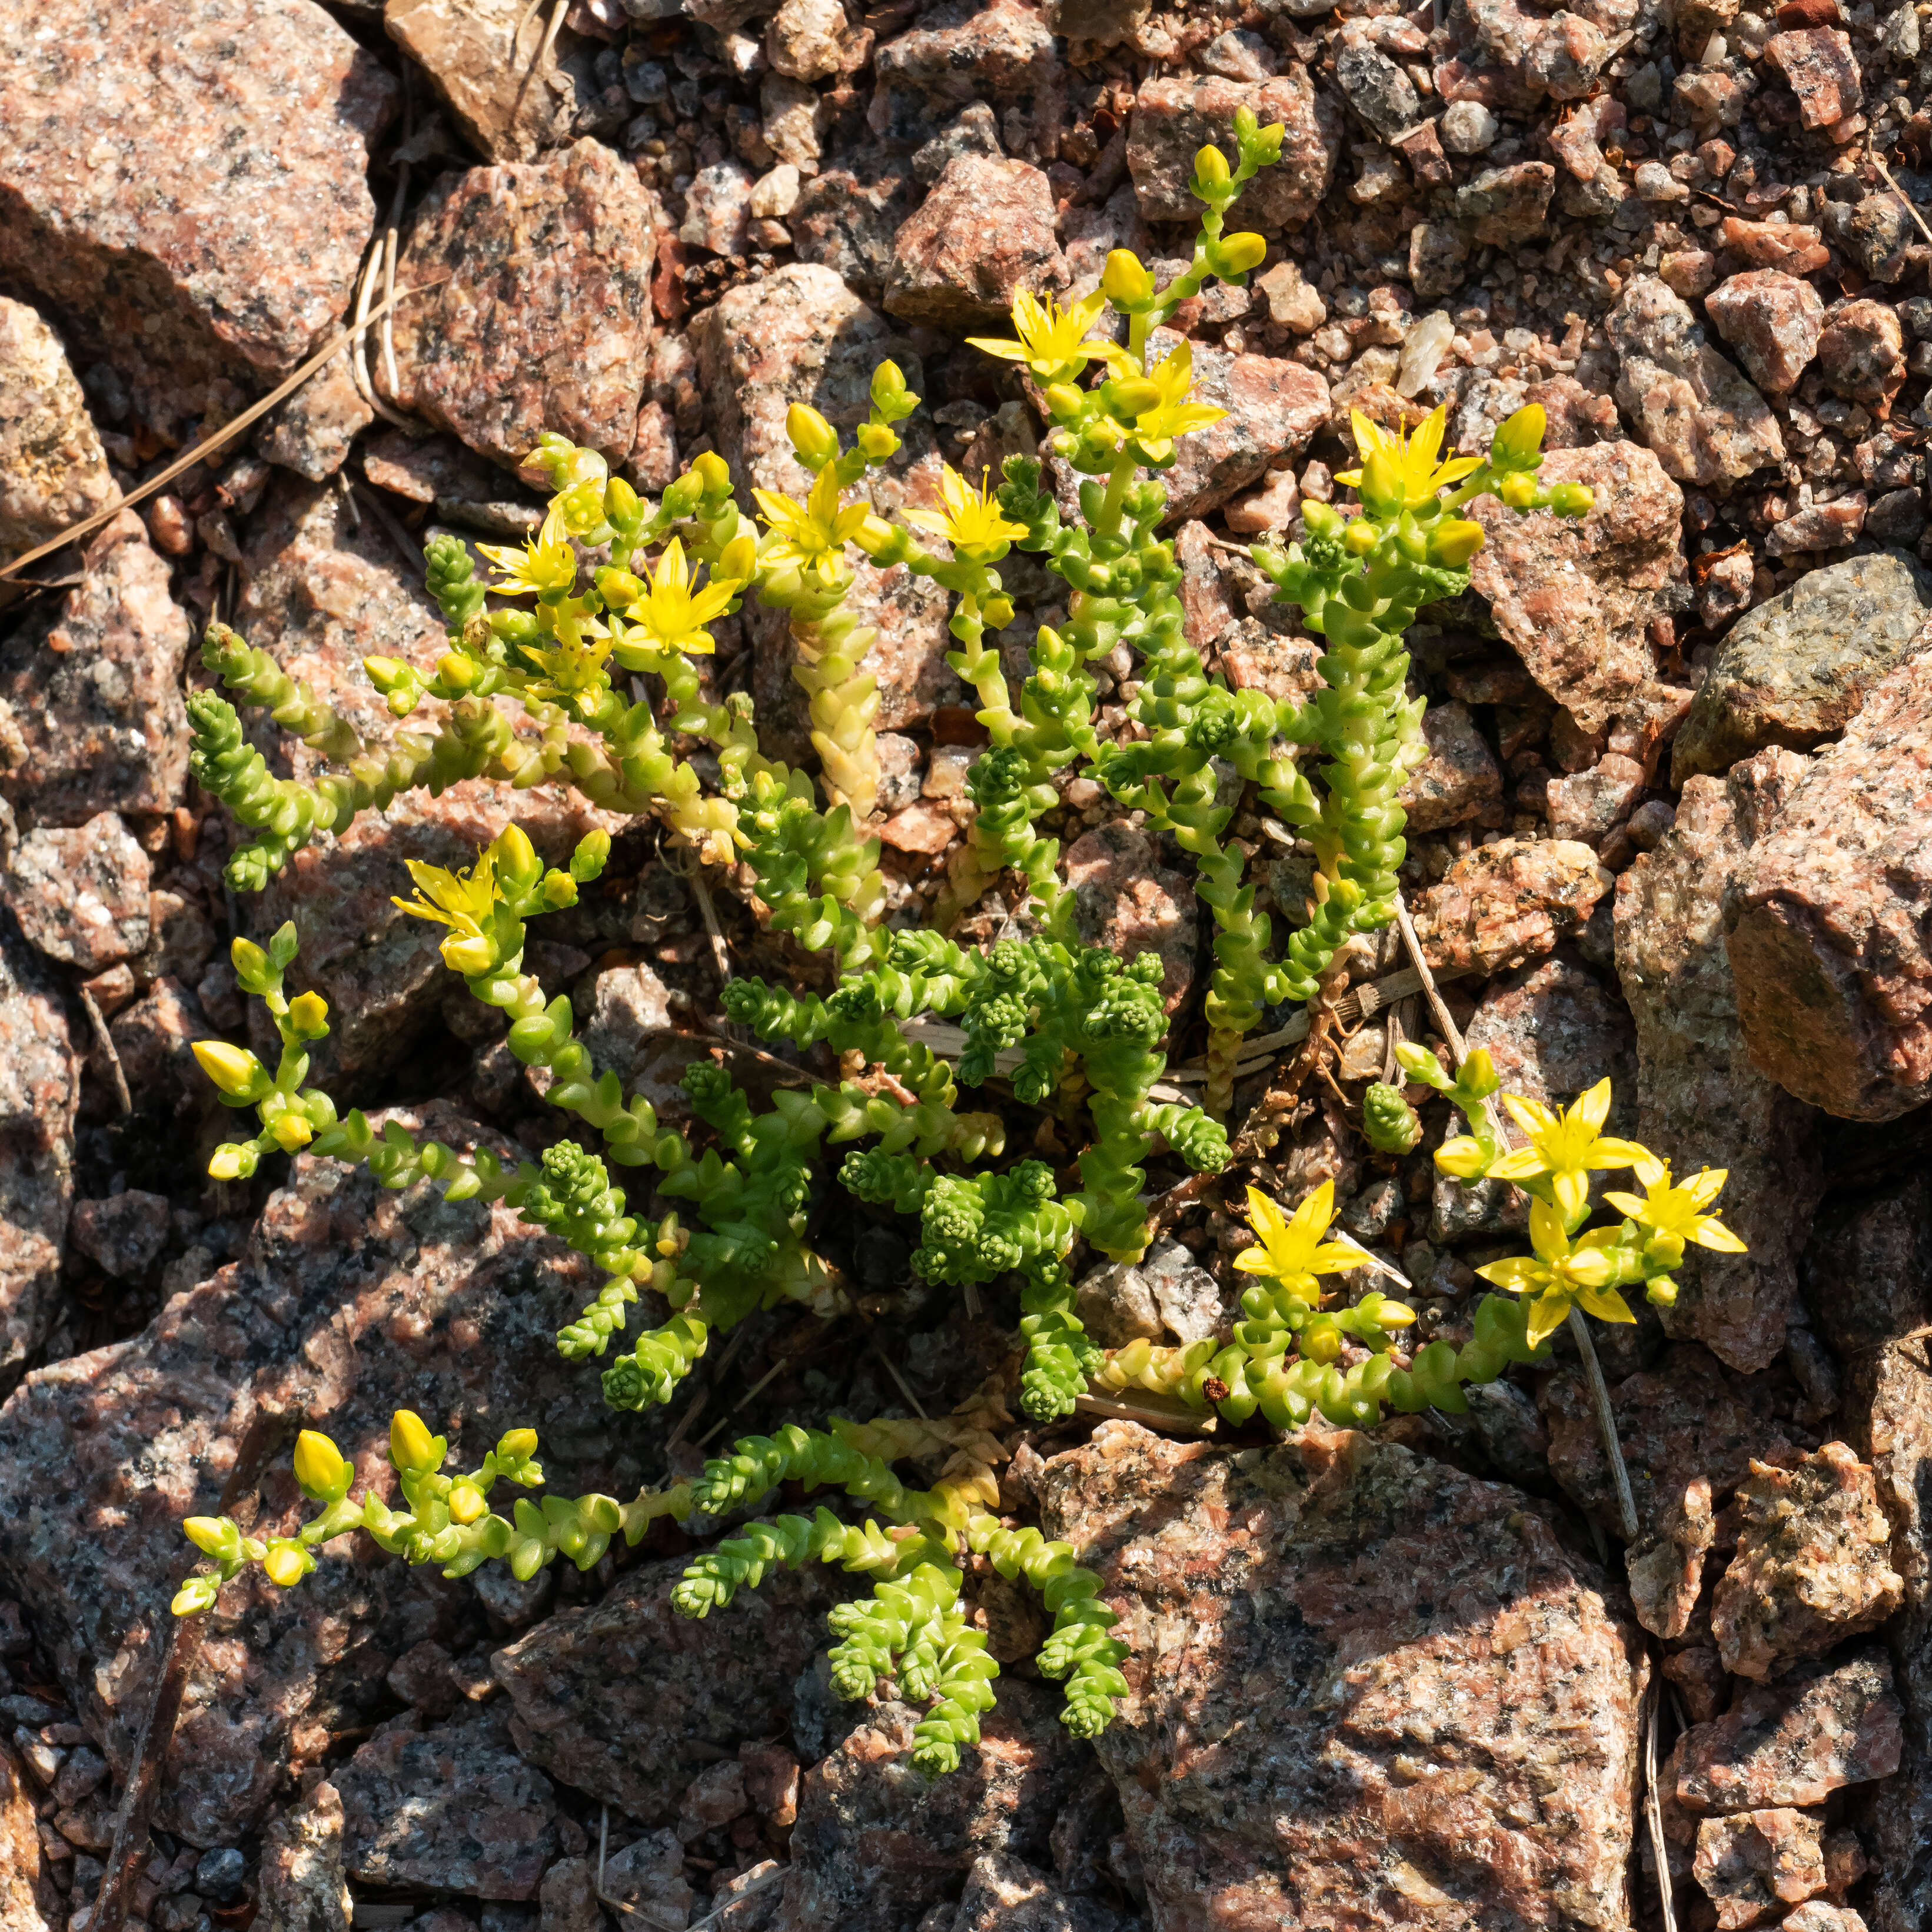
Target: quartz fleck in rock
x=1706 y=423
x=191 y=180
x=1771 y=320
x=1756 y=1865
x=543 y=322
x=1703 y=1101
x=53 y=471
x=1796 y=669
x=984 y=232
x=1825 y=929
x=1173 y=118
x=1126 y=902
x=1504 y=905
x=1813 y=1565
x=1452 y=1703
x=81 y=892
x=1820 y=1727
x=90 y=712
x=1575 y=597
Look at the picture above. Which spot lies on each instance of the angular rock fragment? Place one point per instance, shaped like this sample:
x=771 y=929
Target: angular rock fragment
x=189 y=183
x=545 y=317
x=1451 y=1702
x=1173 y=119
x=847 y=217
x=1825 y=929
x=1822 y=69
x=1756 y=1865
x=799 y=335
x=351 y=1301
x=1505 y=206
x=27 y=1900
x=1862 y=352
x=1589 y=806
x=1820 y=1727
x=81 y=893
x=1126 y=901
x=1813 y=1563
x=1771 y=320
x=984 y=232
x=960 y=51
x=1704 y=422
x=53 y=471
x=1460 y=783
x=875 y=1845
x=1574 y=599
x=1504 y=905
x=1703 y=1102
x=124 y=1232
x=1795 y=670
x=90 y=712
x=313 y=432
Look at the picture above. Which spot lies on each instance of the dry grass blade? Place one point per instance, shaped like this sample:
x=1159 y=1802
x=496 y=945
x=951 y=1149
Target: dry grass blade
x=226 y=433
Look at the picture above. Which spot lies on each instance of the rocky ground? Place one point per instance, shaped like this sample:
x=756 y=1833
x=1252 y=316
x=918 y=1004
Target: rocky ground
x=1671 y=830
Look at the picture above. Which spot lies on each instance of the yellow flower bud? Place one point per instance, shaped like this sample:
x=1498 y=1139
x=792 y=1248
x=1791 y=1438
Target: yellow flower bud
x=1520 y=440
x=212 y=1535
x=876 y=442
x=292 y=1131
x=468 y=956
x=712 y=471
x=1573 y=499
x=411 y=1447
x=1517 y=490
x=815 y=438
x=457 y=672
x=466 y=1503
x=284 y=1564
x=738 y=558
x=1455 y=540
x=1360 y=537
x=1478 y=1073
x=1240 y=253
x=249 y=962
x=197 y=1595
x=518 y=1445
x=319 y=1466
x=236 y=1071
x=1127 y=281
x=308 y=1014
x=1064 y=401
x=230 y=1162
x=1460 y=1157
x=517 y=861
x=1211 y=169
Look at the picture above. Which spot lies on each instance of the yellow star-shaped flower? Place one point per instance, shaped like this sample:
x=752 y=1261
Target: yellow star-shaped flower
x=1567 y=1146
x=1053 y=341
x=1680 y=1212
x=1156 y=430
x=1559 y=1274
x=1400 y=472
x=811 y=537
x=1294 y=1247
x=462 y=901
x=971 y=521
x=672 y=614
x=543 y=566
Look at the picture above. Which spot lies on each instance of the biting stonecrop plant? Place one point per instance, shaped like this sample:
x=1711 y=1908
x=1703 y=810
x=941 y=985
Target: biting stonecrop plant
x=584 y=672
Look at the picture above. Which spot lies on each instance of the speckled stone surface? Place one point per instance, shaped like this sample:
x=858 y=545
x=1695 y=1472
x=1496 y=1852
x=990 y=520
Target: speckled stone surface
x=27 y=1900
x=81 y=894
x=349 y=1302
x=1756 y=1865
x=1503 y=905
x=1702 y=1102
x=91 y=711
x=1124 y=899
x=1362 y=1685
x=1174 y=116
x=799 y=335
x=544 y=320
x=301 y=1887
x=1770 y=319
x=53 y=471
x=1825 y=920
x=452 y=1807
x=189 y=177
x=1820 y=1727
x=624 y=1698
x=1573 y=598
x=1813 y=1563
x=1459 y=782
x=1795 y=670
x=984 y=232
x=876 y=1845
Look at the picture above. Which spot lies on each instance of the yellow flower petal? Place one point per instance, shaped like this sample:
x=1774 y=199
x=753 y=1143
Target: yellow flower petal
x=1707 y=1232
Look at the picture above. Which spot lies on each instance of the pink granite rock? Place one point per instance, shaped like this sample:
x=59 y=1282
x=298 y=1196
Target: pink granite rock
x=1819 y=1729
x=1818 y=527
x=28 y=1902
x=544 y=319
x=1813 y=1563
x=1587 y=805
x=1862 y=352
x=799 y=335
x=960 y=51
x=1822 y=69
x=1756 y=1865
x=452 y=1807
x=1504 y=207
x=847 y=217
x=313 y=432
x=626 y=1700
x=984 y=232
x=1574 y=599
x=349 y=1302
x=1274 y=406
x=1460 y=783
x=123 y=1232
x=322 y=595
x=53 y=471
x=189 y=182
x=1706 y=423
x=1793 y=246
x=90 y=712
x=875 y=1845
x=1355 y=1676
x=40 y=1090
x=1825 y=931
x=1771 y=320
x=1703 y=1102
x=1126 y=901
x=81 y=894
x=1173 y=118
x=1504 y=905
